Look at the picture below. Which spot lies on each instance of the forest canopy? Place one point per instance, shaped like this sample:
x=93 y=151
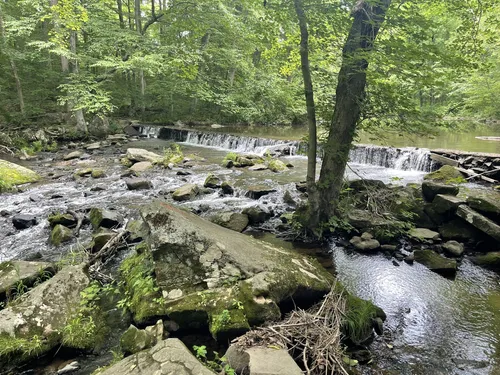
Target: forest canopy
x=237 y=61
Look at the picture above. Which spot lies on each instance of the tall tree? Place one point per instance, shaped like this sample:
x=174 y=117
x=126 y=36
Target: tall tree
x=368 y=17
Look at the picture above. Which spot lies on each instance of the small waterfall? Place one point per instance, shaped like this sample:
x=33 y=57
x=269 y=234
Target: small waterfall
x=407 y=158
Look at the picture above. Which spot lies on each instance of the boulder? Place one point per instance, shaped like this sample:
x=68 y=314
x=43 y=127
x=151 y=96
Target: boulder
x=453 y=248
x=436 y=263
x=423 y=234
x=24 y=221
x=243 y=161
x=142 y=166
x=258 y=167
x=168 y=357
x=73 y=155
x=12 y=174
x=227 y=188
x=489 y=260
x=138 y=184
x=301 y=186
x=104 y=218
x=459 y=230
x=212 y=181
x=139 y=154
x=365 y=242
x=93 y=146
x=137 y=230
x=445 y=204
x=277 y=165
x=361 y=185
x=479 y=221
x=446 y=174
x=18 y=271
x=186 y=193
x=98 y=173
x=65 y=219
x=60 y=234
x=256 y=215
x=257 y=191
x=202 y=269
x=231 y=220
x=100 y=239
x=134 y=340
x=486 y=203
x=261 y=361
x=430 y=189
x=34 y=325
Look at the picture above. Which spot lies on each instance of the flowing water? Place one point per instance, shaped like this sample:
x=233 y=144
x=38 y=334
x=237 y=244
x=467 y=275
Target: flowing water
x=436 y=325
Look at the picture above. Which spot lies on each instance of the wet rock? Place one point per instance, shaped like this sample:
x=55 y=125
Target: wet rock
x=227 y=188
x=65 y=219
x=362 y=185
x=394 y=263
x=486 y=203
x=228 y=163
x=365 y=242
x=453 y=248
x=258 y=167
x=423 y=234
x=186 y=193
x=24 y=221
x=444 y=204
x=390 y=248
x=69 y=368
x=83 y=172
x=13 y=174
x=212 y=181
x=5 y=213
x=142 y=166
x=128 y=173
x=60 y=234
x=184 y=173
x=98 y=173
x=137 y=230
x=98 y=188
x=288 y=199
x=93 y=146
x=479 y=221
x=446 y=174
x=167 y=357
x=257 y=191
x=104 y=218
x=126 y=162
x=242 y=162
x=117 y=137
x=430 y=189
x=100 y=239
x=73 y=155
x=261 y=361
x=138 y=155
x=459 y=230
x=489 y=260
x=138 y=184
x=301 y=186
x=38 y=318
x=135 y=340
x=231 y=220
x=378 y=324
x=436 y=263
x=27 y=273
x=409 y=259
x=277 y=165
x=256 y=215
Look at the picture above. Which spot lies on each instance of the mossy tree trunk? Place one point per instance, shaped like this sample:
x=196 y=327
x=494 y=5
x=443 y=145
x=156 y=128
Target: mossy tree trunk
x=368 y=16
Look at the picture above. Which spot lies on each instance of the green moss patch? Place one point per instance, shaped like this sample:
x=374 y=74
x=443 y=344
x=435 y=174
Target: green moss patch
x=12 y=174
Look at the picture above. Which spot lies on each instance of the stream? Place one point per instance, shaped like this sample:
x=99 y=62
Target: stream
x=434 y=325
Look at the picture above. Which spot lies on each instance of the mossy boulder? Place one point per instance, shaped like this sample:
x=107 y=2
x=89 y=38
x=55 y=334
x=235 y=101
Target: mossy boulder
x=134 y=340
x=19 y=272
x=186 y=193
x=13 y=174
x=277 y=165
x=34 y=324
x=98 y=173
x=436 y=263
x=431 y=188
x=212 y=181
x=485 y=202
x=104 y=218
x=231 y=220
x=60 y=234
x=65 y=219
x=446 y=174
x=489 y=260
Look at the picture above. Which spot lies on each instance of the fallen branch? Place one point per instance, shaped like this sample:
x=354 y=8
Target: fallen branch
x=108 y=249
x=79 y=221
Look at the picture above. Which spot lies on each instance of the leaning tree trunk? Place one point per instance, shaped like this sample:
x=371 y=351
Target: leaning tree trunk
x=350 y=94
x=81 y=124
x=309 y=94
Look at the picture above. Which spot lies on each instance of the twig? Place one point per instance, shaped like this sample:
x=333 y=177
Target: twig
x=79 y=222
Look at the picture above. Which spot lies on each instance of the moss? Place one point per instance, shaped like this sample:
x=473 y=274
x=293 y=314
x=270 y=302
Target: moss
x=228 y=323
x=173 y=155
x=98 y=173
x=15 y=350
x=60 y=234
x=60 y=218
x=276 y=165
x=12 y=174
x=126 y=162
x=231 y=156
x=446 y=174
x=142 y=296
x=358 y=319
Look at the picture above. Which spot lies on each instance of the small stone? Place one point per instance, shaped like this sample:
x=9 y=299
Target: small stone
x=104 y=218
x=186 y=192
x=138 y=184
x=423 y=234
x=364 y=244
x=60 y=234
x=257 y=191
x=390 y=248
x=366 y=236
x=23 y=221
x=394 y=263
x=454 y=248
x=73 y=155
x=93 y=146
x=227 y=188
x=212 y=181
x=98 y=173
x=35 y=198
x=71 y=367
x=184 y=173
x=5 y=213
x=135 y=340
x=257 y=167
x=409 y=259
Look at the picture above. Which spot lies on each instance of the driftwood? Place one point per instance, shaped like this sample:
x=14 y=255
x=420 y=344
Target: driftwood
x=444 y=160
x=482 y=176
x=79 y=221
x=108 y=249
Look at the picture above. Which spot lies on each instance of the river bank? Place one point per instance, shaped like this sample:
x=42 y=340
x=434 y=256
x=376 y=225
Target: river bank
x=111 y=191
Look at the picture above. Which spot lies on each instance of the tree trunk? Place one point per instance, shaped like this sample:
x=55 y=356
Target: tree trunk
x=350 y=95
x=13 y=66
x=309 y=94
x=137 y=12
x=80 y=119
x=120 y=13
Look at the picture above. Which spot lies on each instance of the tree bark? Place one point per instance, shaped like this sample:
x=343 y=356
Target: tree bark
x=81 y=124
x=350 y=94
x=137 y=12
x=119 y=5
x=309 y=95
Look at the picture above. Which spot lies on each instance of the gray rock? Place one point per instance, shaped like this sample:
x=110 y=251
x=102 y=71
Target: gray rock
x=459 y=230
x=227 y=188
x=60 y=234
x=134 y=340
x=69 y=368
x=262 y=361
x=436 y=263
x=141 y=166
x=93 y=146
x=288 y=199
x=65 y=219
x=256 y=215
x=100 y=239
x=138 y=184
x=73 y=155
x=168 y=357
x=15 y=271
x=23 y=221
x=301 y=186
x=390 y=248
x=212 y=181
x=40 y=315
x=423 y=234
x=186 y=193
x=479 y=221
x=365 y=242
x=444 y=204
x=486 y=203
x=139 y=154
x=489 y=260
x=453 y=248
x=231 y=220
x=258 y=167
x=104 y=218
x=409 y=259
x=257 y=191
x=430 y=189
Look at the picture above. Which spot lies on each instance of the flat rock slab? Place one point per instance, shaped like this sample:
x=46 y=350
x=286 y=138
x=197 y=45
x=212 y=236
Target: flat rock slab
x=423 y=234
x=142 y=166
x=265 y=361
x=446 y=203
x=139 y=154
x=14 y=174
x=479 y=221
x=485 y=202
x=21 y=271
x=168 y=357
x=436 y=263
